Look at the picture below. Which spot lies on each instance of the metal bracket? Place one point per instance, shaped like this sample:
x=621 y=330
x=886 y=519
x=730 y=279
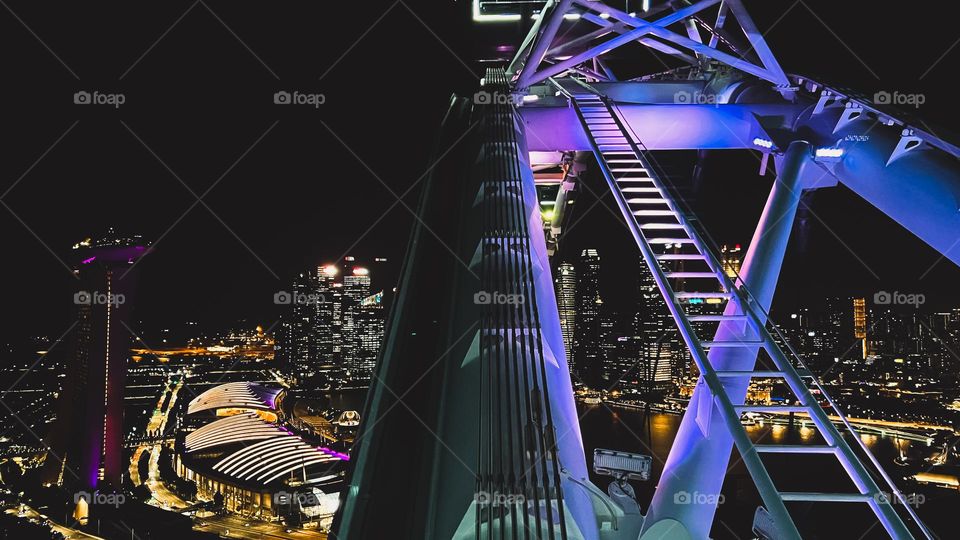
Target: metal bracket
x=908 y=141
x=852 y=112
x=826 y=98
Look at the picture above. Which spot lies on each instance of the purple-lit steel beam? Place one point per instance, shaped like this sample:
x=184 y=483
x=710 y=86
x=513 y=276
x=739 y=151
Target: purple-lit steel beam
x=657 y=28
x=543 y=41
x=642 y=28
x=620 y=28
x=700 y=456
x=757 y=42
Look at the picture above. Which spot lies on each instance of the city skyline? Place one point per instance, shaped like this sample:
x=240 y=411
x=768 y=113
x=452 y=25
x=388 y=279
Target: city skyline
x=576 y=270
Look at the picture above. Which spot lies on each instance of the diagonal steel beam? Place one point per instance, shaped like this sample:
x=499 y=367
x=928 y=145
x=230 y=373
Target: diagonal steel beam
x=524 y=51
x=756 y=39
x=543 y=41
x=718 y=26
x=620 y=28
x=576 y=43
x=642 y=28
x=658 y=29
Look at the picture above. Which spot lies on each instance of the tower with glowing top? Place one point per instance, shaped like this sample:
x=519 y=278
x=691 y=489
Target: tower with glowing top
x=85 y=444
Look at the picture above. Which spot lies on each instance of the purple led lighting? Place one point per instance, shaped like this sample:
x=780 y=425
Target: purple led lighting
x=90 y=260
x=334 y=453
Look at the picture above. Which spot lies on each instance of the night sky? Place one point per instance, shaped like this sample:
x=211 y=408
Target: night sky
x=285 y=187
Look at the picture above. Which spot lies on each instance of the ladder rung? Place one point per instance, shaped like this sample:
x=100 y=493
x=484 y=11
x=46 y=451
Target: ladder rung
x=826 y=497
x=669 y=240
x=716 y=318
x=677 y=257
x=670 y=226
x=635 y=179
x=624 y=161
x=754 y=373
x=634 y=169
x=696 y=294
x=653 y=213
x=640 y=190
x=772 y=408
x=730 y=344
x=795 y=449
x=648 y=200
x=691 y=275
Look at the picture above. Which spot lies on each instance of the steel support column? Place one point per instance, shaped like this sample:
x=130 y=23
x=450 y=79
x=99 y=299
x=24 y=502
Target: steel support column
x=700 y=453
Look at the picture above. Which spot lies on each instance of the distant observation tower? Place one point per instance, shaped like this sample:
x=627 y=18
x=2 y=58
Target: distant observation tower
x=85 y=444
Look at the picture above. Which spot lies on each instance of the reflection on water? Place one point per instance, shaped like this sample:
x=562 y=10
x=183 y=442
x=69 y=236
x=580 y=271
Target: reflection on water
x=635 y=431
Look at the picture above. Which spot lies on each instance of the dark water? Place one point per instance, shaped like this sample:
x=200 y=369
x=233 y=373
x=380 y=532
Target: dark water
x=653 y=434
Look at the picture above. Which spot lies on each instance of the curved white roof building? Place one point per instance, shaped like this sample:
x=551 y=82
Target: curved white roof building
x=240 y=428
x=240 y=395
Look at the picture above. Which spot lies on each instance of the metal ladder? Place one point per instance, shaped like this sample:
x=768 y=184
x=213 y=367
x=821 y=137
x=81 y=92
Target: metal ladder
x=666 y=236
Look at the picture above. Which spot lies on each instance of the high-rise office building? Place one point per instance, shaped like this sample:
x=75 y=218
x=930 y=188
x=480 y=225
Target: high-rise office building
x=335 y=325
x=370 y=326
x=297 y=344
x=566 y=291
x=586 y=335
x=860 y=323
x=356 y=287
x=86 y=442
x=659 y=341
x=731 y=257
x=327 y=328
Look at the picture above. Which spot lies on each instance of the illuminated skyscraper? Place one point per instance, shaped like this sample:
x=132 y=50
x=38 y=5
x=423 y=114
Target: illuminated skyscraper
x=338 y=330
x=731 y=258
x=369 y=321
x=301 y=347
x=860 y=322
x=586 y=333
x=85 y=444
x=658 y=339
x=327 y=327
x=356 y=287
x=566 y=290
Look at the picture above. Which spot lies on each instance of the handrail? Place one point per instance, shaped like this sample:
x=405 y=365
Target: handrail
x=751 y=303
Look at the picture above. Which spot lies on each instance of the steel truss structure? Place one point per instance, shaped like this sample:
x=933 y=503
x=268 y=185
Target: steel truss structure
x=491 y=441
